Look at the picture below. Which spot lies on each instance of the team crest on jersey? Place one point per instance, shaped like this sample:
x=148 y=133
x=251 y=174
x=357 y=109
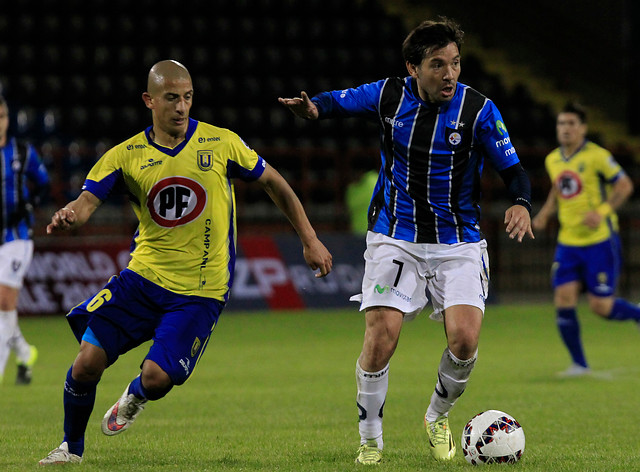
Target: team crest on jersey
x=569 y=184
x=205 y=160
x=454 y=137
x=176 y=201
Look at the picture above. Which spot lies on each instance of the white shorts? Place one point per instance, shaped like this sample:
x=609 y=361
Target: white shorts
x=399 y=274
x=15 y=257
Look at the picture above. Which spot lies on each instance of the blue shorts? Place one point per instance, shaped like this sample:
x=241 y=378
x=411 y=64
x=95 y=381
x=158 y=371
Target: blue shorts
x=597 y=266
x=131 y=310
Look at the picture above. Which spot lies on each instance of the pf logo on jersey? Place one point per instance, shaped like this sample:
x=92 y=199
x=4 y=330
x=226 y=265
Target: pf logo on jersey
x=175 y=201
x=568 y=184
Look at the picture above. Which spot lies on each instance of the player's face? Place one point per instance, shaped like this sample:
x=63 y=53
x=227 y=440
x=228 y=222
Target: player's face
x=171 y=106
x=4 y=124
x=570 y=130
x=437 y=74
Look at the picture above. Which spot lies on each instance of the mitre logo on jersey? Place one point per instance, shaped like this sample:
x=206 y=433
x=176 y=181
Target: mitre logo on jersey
x=205 y=160
x=569 y=184
x=176 y=201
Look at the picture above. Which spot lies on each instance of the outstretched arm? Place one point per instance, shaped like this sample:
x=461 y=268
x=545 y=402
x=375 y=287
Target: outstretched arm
x=301 y=106
x=315 y=253
x=75 y=213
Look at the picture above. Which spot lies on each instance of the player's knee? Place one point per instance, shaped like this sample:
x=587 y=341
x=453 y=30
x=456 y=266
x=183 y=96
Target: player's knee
x=464 y=344
x=601 y=306
x=88 y=367
x=155 y=381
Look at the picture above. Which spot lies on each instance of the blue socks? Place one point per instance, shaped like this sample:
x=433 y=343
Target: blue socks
x=569 y=327
x=78 y=399
x=137 y=389
x=623 y=310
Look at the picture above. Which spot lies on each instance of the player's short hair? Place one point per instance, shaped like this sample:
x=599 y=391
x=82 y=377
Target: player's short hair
x=577 y=109
x=429 y=36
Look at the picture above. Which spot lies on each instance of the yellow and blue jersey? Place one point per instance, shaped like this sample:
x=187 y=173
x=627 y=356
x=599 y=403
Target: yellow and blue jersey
x=583 y=182
x=185 y=203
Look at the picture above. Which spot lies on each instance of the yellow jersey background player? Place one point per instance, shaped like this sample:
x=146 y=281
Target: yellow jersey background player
x=588 y=186
x=179 y=176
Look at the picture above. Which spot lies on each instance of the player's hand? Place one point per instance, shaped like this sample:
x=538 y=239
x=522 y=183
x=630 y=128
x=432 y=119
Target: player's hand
x=592 y=219
x=63 y=219
x=301 y=106
x=317 y=257
x=518 y=222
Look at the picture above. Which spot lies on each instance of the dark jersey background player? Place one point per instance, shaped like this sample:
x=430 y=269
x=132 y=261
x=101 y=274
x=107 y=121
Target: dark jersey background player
x=23 y=181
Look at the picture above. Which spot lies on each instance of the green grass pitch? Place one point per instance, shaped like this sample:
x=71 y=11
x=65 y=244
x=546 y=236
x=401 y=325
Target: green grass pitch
x=276 y=392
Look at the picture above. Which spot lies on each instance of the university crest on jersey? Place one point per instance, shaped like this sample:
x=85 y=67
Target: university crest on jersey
x=176 y=201
x=205 y=160
x=454 y=137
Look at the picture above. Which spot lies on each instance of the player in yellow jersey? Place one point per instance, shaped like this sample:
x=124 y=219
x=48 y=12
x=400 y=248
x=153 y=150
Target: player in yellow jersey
x=588 y=186
x=179 y=175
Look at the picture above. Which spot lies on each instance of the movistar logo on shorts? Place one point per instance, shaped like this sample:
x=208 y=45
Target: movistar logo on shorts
x=397 y=293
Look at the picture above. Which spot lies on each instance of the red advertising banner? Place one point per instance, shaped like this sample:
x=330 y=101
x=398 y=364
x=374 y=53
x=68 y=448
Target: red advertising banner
x=270 y=273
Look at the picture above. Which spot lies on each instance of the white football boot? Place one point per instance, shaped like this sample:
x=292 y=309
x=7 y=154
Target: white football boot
x=61 y=455
x=121 y=415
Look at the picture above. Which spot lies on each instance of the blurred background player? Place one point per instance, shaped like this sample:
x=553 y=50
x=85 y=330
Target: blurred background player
x=357 y=198
x=587 y=187
x=20 y=171
x=181 y=269
x=424 y=219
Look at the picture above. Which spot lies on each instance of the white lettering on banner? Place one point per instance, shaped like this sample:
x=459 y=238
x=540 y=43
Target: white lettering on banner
x=255 y=278
x=243 y=286
x=36 y=298
x=269 y=272
x=75 y=292
x=69 y=265
x=344 y=278
x=123 y=259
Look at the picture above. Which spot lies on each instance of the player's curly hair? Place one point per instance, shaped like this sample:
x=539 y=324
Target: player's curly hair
x=429 y=36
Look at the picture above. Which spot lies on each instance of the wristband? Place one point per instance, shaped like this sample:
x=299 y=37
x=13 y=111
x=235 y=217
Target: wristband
x=604 y=209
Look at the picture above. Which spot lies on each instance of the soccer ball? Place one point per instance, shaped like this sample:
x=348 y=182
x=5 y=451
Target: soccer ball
x=492 y=437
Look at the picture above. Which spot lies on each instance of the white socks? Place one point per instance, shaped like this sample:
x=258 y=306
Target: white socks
x=11 y=338
x=453 y=375
x=372 y=392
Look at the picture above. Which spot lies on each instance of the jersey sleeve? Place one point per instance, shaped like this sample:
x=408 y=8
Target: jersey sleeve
x=244 y=163
x=105 y=175
x=494 y=138
x=362 y=101
x=36 y=171
x=608 y=167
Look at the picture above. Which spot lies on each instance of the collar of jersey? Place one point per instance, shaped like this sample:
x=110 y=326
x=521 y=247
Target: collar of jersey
x=193 y=124
x=568 y=158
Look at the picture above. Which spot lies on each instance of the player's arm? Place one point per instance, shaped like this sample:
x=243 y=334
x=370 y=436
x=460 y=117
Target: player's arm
x=315 y=253
x=620 y=192
x=517 y=218
x=547 y=211
x=75 y=213
x=301 y=106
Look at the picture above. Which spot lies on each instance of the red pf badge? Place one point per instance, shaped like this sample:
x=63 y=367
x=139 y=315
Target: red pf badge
x=176 y=201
